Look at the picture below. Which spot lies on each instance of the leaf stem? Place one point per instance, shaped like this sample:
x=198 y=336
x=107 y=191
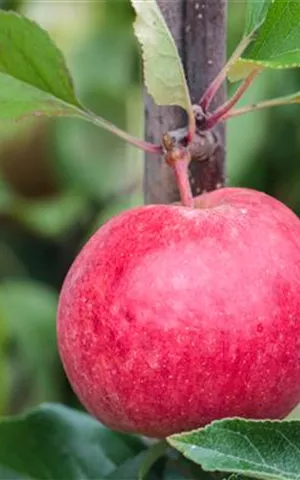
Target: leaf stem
x=274 y=102
x=212 y=89
x=101 y=122
x=219 y=114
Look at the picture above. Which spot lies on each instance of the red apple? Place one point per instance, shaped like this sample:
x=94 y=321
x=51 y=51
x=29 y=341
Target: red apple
x=171 y=317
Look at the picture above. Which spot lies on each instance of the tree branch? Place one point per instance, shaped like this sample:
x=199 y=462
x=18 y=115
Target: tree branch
x=198 y=27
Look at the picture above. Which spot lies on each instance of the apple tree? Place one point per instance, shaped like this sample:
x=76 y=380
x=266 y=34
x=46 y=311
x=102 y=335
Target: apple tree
x=185 y=159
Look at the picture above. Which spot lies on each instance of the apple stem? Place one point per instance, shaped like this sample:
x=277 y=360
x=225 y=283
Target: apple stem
x=212 y=89
x=180 y=168
x=219 y=114
x=191 y=131
x=179 y=158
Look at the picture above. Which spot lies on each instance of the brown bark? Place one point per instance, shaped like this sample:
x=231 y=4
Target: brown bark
x=199 y=28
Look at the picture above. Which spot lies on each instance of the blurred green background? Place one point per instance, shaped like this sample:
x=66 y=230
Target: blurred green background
x=61 y=179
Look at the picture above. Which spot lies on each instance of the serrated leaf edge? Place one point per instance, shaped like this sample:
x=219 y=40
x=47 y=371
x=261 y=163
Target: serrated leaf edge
x=188 y=108
x=175 y=438
x=64 y=66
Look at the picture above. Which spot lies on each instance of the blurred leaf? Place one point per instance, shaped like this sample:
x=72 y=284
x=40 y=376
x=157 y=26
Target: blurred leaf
x=125 y=202
x=53 y=441
x=255 y=14
x=4 y=383
x=11 y=264
x=295 y=414
x=114 y=207
x=153 y=454
x=135 y=123
x=114 y=49
x=129 y=470
x=262 y=449
x=173 y=473
x=247 y=134
x=92 y=160
x=95 y=162
x=33 y=76
x=10 y=129
x=68 y=23
x=163 y=70
x=240 y=70
x=10 y=4
x=6 y=197
x=54 y=216
x=278 y=42
x=29 y=311
x=179 y=468
x=116 y=14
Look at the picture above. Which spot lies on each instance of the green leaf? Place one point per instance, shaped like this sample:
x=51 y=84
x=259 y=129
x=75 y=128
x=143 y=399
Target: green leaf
x=28 y=310
x=3 y=365
x=33 y=76
x=18 y=101
x=163 y=70
x=255 y=14
x=29 y=55
x=55 y=442
x=260 y=449
x=54 y=216
x=34 y=79
x=278 y=42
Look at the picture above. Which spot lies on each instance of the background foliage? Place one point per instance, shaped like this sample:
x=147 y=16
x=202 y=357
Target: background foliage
x=61 y=179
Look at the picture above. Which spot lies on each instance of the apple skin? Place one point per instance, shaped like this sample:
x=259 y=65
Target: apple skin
x=172 y=317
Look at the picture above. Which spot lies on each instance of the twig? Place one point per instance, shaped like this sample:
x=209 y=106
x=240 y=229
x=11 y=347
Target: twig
x=212 y=89
x=221 y=112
